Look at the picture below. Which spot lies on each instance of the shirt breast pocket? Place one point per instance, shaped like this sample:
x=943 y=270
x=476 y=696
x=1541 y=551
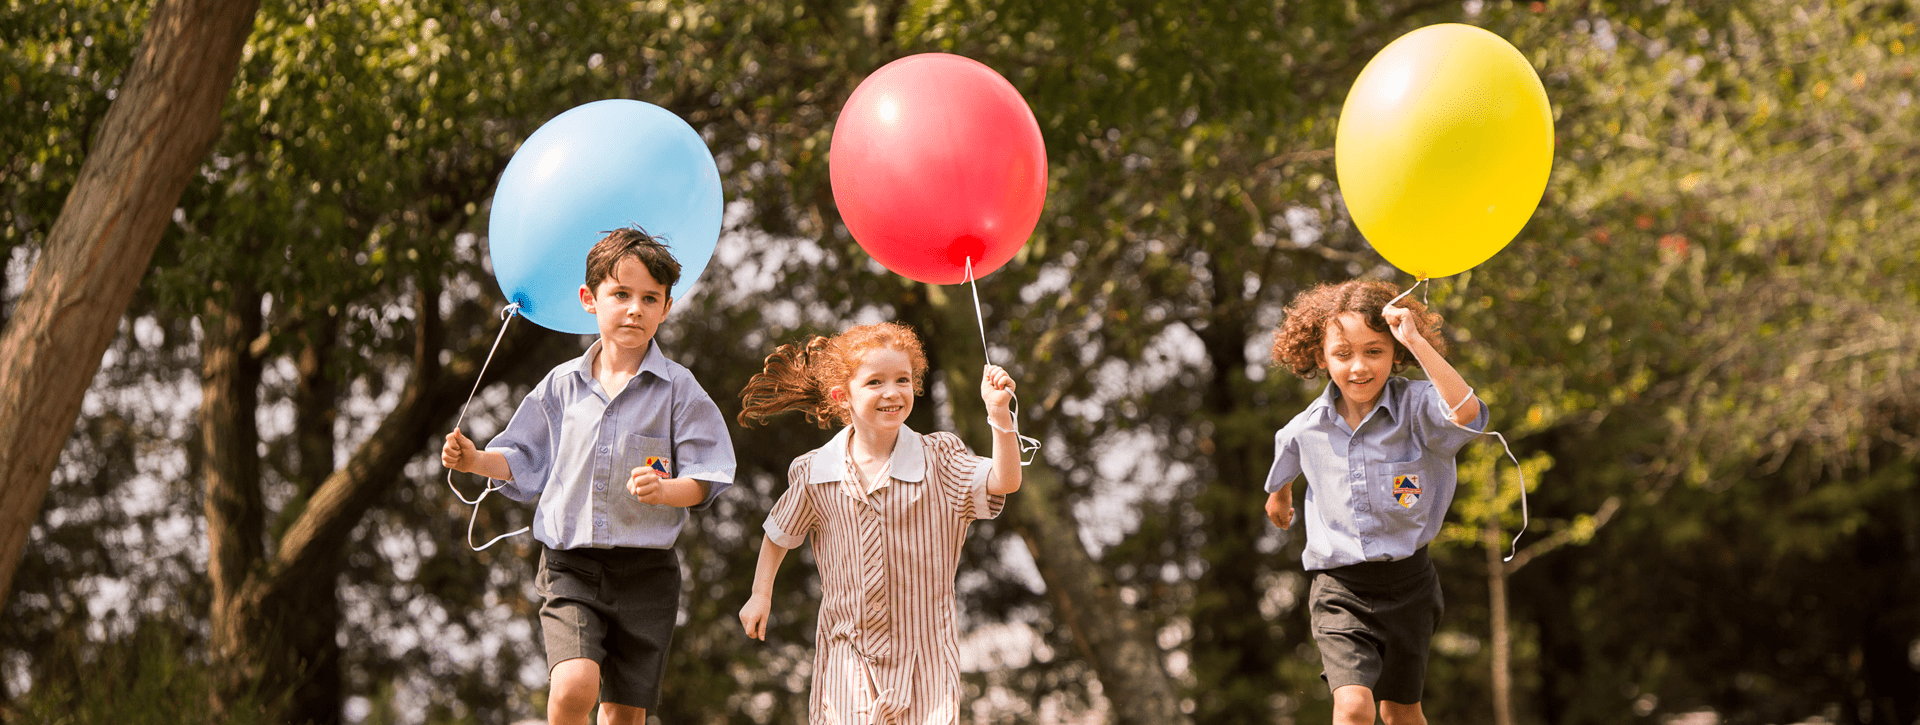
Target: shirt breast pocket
x=644 y=451
x=1406 y=493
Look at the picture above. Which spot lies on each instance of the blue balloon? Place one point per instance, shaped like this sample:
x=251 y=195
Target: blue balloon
x=599 y=167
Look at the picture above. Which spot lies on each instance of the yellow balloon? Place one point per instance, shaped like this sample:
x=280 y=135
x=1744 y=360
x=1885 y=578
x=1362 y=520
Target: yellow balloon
x=1443 y=148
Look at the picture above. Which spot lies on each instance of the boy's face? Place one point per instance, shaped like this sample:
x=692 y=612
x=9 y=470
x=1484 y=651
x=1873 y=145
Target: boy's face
x=880 y=395
x=629 y=305
x=1357 y=357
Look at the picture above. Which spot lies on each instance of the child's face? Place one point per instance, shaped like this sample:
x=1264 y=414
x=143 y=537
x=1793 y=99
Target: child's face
x=1357 y=357
x=880 y=395
x=629 y=305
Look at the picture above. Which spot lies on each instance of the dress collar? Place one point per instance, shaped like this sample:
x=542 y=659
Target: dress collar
x=909 y=461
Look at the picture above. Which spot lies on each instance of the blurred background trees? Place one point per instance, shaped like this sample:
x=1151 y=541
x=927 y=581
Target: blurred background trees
x=1701 y=346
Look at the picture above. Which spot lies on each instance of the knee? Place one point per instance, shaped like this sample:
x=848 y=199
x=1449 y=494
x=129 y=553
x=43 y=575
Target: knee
x=617 y=714
x=1353 y=705
x=1395 y=713
x=573 y=689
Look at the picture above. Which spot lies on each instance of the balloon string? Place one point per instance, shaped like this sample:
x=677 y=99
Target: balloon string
x=1027 y=445
x=1452 y=410
x=506 y=316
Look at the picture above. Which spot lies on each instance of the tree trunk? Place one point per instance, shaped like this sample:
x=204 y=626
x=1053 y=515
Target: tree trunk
x=166 y=119
x=1117 y=641
x=1502 y=640
x=275 y=631
x=235 y=508
x=1231 y=648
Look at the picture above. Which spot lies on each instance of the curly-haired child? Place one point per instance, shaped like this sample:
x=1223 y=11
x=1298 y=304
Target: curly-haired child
x=1378 y=453
x=888 y=510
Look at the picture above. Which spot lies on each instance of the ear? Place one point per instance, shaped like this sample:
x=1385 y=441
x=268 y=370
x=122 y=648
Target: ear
x=586 y=299
x=669 y=307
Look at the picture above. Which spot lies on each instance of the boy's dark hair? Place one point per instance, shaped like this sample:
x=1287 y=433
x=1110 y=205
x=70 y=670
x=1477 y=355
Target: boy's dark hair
x=636 y=243
x=1298 y=341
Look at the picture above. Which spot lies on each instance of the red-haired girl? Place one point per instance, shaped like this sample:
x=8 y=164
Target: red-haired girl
x=888 y=510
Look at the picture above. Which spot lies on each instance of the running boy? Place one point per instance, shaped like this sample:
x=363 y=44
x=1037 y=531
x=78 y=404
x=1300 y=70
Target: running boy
x=1377 y=450
x=617 y=444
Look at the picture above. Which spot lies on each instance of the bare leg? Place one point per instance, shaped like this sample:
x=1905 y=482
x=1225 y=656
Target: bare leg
x=573 y=688
x=1399 y=714
x=615 y=714
x=1353 y=705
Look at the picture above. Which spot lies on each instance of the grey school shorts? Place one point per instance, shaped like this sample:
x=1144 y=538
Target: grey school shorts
x=616 y=607
x=1374 y=622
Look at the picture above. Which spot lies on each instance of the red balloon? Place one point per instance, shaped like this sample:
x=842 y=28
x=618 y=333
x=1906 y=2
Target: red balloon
x=936 y=160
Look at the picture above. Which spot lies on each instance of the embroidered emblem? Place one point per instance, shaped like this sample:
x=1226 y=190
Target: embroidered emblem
x=1406 y=490
x=658 y=463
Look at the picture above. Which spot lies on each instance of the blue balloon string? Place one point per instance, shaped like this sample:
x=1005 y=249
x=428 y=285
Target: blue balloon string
x=506 y=317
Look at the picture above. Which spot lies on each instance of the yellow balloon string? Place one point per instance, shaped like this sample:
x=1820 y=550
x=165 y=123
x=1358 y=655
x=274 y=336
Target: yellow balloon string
x=1454 y=408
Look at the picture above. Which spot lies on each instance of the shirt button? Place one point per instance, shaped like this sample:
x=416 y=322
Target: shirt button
x=604 y=449
x=1361 y=507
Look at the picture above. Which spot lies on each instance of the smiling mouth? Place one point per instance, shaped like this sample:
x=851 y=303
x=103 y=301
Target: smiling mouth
x=890 y=409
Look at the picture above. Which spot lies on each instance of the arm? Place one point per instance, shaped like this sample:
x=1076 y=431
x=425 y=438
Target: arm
x=996 y=388
x=1280 y=506
x=461 y=455
x=1453 y=389
x=753 y=616
x=647 y=485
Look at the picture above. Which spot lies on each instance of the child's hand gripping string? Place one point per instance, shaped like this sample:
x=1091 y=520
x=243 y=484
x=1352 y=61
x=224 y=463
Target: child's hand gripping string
x=1401 y=322
x=996 y=390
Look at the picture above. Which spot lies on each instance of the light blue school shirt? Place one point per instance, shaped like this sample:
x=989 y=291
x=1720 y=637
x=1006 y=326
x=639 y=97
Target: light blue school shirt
x=1379 y=492
x=574 y=446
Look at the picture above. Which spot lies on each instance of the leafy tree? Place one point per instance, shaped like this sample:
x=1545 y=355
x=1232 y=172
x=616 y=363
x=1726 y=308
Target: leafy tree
x=1723 y=248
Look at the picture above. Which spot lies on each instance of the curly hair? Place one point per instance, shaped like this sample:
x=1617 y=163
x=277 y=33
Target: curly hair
x=800 y=376
x=1299 y=340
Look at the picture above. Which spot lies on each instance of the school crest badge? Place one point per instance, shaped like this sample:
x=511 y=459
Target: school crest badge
x=1406 y=490
x=658 y=463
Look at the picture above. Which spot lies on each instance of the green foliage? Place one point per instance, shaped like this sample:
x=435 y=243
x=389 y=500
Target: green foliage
x=1712 y=318
x=150 y=677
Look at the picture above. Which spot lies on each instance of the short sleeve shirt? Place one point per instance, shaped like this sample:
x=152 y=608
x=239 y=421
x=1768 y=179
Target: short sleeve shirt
x=1379 y=492
x=574 y=446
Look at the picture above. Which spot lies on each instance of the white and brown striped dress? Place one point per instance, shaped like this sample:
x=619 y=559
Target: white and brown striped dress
x=887 y=649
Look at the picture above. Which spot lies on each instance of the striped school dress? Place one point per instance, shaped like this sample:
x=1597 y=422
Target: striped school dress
x=887 y=650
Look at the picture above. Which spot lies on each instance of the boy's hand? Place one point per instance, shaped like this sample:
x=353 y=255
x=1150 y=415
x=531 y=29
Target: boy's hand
x=753 y=616
x=1400 y=321
x=458 y=453
x=644 y=484
x=996 y=387
x=1280 y=509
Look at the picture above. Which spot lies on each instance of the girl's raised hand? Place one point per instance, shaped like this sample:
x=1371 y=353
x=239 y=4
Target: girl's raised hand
x=996 y=387
x=1400 y=321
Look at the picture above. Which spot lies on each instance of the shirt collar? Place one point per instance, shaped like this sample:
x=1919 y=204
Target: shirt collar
x=909 y=462
x=653 y=362
x=1329 y=398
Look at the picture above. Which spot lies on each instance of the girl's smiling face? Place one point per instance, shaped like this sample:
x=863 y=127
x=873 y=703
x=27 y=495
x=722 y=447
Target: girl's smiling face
x=1358 y=358
x=880 y=394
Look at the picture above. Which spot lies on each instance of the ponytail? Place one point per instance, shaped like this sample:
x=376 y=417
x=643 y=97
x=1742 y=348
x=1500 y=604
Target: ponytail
x=803 y=376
